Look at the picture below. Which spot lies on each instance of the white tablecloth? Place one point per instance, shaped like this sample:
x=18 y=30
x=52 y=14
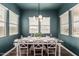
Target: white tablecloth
x=32 y=39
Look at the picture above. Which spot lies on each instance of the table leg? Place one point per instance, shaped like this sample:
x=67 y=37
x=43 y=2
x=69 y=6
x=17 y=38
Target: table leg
x=17 y=50
x=59 y=49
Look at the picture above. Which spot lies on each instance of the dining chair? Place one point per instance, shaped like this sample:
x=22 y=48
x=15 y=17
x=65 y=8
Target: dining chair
x=38 y=48
x=23 y=48
x=52 y=48
x=31 y=48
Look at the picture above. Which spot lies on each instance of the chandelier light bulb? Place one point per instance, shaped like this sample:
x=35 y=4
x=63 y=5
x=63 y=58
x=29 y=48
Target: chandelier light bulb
x=40 y=16
x=33 y=17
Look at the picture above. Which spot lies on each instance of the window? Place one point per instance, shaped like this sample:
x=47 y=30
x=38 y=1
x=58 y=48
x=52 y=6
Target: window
x=75 y=21
x=34 y=25
x=45 y=25
x=3 y=11
x=64 y=24
x=13 y=23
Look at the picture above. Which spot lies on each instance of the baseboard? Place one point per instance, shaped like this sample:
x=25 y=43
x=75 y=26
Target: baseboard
x=68 y=50
x=8 y=51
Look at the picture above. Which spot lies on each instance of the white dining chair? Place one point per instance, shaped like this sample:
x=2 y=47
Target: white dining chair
x=23 y=48
x=38 y=48
x=52 y=48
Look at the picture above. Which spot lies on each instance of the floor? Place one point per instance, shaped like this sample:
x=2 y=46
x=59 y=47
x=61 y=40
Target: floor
x=63 y=53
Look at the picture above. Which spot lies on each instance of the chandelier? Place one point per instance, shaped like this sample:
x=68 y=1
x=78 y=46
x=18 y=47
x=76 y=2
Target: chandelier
x=40 y=17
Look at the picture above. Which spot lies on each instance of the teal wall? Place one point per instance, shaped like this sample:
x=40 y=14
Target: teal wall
x=6 y=43
x=53 y=21
x=70 y=42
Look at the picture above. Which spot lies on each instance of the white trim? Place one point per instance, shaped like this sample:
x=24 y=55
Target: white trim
x=8 y=51
x=64 y=13
x=68 y=50
x=75 y=6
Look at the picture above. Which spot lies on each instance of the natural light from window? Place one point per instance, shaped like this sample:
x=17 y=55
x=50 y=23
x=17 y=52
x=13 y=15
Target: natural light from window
x=34 y=25
x=64 y=23
x=75 y=21
x=13 y=23
x=3 y=11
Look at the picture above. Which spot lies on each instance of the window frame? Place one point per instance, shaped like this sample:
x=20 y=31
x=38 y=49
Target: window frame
x=74 y=22
x=4 y=21
x=46 y=26
x=33 y=25
x=65 y=24
x=39 y=26
x=12 y=23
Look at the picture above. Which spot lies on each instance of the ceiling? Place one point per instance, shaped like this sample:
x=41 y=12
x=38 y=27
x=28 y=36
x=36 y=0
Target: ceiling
x=43 y=6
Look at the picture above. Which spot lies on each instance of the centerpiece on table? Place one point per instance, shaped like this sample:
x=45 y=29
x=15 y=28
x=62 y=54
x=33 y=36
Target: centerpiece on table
x=38 y=35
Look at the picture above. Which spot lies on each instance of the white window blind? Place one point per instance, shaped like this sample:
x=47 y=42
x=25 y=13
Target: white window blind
x=13 y=23
x=34 y=25
x=3 y=11
x=75 y=21
x=45 y=25
x=64 y=23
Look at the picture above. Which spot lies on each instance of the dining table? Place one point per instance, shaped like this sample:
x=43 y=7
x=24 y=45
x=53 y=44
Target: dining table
x=38 y=40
